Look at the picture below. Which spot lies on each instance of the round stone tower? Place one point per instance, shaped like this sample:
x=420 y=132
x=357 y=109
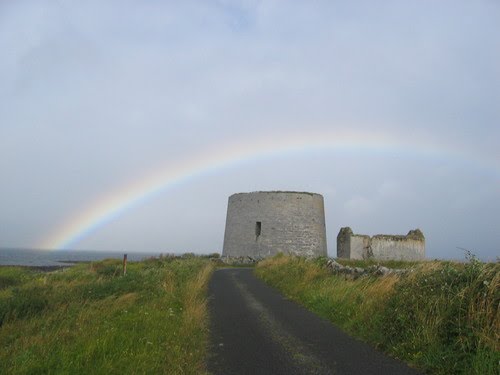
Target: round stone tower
x=263 y=224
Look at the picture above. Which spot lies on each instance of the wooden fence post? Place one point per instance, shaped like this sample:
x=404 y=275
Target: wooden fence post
x=124 y=264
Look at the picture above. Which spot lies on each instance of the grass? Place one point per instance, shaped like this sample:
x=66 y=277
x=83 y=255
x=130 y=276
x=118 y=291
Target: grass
x=91 y=319
x=443 y=317
x=394 y=264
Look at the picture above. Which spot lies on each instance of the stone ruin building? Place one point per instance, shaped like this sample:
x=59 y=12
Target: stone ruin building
x=265 y=223
x=381 y=246
x=262 y=224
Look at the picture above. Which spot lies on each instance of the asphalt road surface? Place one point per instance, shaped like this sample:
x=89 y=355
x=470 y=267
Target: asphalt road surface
x=255 y=330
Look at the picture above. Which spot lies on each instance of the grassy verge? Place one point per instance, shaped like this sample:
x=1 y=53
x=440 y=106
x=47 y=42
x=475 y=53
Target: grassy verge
x=90 y=319
x=394 y=264
x=443 y=317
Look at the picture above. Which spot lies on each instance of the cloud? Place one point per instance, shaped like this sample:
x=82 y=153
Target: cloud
x=358 y=207
x=95 y=95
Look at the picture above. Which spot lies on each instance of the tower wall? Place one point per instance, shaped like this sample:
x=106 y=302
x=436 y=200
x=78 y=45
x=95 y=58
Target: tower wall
x=263 y=224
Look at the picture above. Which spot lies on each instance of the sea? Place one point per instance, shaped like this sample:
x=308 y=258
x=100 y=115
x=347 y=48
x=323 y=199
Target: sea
x=46 y=258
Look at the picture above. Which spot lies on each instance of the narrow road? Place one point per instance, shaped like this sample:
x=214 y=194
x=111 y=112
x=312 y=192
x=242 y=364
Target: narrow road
x=255 y=330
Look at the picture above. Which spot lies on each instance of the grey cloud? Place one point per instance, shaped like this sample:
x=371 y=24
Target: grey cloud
x=94 y=95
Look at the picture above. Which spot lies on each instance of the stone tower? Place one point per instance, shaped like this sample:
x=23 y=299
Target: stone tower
x=263 y=224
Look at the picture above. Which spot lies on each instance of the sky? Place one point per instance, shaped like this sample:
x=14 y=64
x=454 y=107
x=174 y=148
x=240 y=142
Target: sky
x=126 y=125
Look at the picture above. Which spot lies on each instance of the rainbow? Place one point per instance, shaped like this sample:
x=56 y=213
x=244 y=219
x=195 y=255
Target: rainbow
x=117 y=202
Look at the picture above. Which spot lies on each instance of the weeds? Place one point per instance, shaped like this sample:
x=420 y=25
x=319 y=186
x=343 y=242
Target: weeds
x=91 y=319
x=395 y=264
x=443 y=317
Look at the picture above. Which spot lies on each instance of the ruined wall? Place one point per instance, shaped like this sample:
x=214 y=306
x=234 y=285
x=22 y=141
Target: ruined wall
x=352 y=246
x=262 y=224
x=382 y=247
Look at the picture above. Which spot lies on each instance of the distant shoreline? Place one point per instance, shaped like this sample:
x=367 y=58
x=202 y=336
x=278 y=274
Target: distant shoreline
x=37 y=258
x=39 y=268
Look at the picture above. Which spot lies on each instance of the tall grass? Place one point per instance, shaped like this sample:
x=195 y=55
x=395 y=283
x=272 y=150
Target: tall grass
x=91 y=319
x=442 y=317
x=364 y=263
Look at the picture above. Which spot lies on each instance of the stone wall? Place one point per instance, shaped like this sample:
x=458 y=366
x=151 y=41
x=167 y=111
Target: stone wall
x=382 y=247
x=263 y=224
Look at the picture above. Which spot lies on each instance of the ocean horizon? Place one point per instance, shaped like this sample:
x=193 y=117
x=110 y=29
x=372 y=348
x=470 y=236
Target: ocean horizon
x=44 y=258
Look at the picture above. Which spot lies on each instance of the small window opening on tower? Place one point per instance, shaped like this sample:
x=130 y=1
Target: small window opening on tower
x=258 y=228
